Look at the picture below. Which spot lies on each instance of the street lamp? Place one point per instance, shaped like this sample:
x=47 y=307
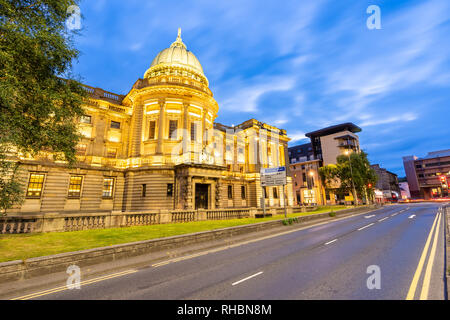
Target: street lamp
x=311 y=186
x=347 y=152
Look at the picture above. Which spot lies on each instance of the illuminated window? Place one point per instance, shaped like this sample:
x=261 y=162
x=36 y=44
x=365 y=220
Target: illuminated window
x=86 y=119
x=75 y=186
x=81 y=149
x=35 y=185
x=108 y=187
x=115 y=125
x=230 y=192
x=152 y=130
x=173 y=124
x=111 y=152
x=193 y=131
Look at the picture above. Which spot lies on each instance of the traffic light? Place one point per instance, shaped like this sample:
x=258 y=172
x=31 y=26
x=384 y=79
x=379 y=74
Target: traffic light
x=369 y=186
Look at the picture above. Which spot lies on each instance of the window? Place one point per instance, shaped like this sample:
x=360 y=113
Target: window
x=144 y=190
x=193 y=131
x=152 y=130
x=230 y=192
x=35 y=185
x=243 y=195
x=115 y=125
x=173 y=124
x=86 y=119
x=75 y=186
x=108 y=187
x=170 y=189
x=266 y=193
x=275 y=193
x=111 y=152
x=81 y=149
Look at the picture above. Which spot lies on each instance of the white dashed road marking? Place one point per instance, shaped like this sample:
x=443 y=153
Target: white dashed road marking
x=249 y=277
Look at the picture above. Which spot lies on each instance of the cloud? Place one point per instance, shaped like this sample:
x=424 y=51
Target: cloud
x=377 y=120
x=245 y=99
x=297 y=136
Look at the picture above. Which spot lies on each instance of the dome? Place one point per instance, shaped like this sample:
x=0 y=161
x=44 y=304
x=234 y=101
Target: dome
x=178 y=55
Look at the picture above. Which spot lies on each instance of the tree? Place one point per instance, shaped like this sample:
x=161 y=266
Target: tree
x=340 y=176
x=39 y=97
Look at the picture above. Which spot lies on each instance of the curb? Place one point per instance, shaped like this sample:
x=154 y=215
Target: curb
x=446 y=212
x=29 y=268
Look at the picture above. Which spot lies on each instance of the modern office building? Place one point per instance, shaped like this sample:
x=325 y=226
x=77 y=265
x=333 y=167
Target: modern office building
x=428 y=177
x=306 y=159
x=158 y=147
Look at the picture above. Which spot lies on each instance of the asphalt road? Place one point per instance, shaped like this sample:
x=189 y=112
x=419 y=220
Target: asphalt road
x=328 y=261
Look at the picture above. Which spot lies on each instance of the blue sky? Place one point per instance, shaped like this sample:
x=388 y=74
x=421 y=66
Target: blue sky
x=299 y=65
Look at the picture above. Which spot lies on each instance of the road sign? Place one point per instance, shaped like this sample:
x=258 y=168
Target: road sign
x=273 y=176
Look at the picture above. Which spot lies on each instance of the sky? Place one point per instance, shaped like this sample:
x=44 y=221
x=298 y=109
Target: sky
x=299 y=65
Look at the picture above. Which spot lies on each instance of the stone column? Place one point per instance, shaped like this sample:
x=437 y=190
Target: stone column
x=136 y=129
x=186 y=132
x=159 y=146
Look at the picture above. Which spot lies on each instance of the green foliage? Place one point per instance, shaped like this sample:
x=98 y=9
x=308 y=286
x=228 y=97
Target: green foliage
x=38 y=107
x=332 y=214
x=10 y=187
x=285 y=222
x=356 y=168
x=290 y=220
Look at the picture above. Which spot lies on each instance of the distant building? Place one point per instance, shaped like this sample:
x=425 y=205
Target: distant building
x=306 y=159
x=387 y=183
x=331 y=142
x=428 y=176
x=404 y=190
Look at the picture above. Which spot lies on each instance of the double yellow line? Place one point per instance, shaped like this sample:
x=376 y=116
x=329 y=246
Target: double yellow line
x=427 y=277
x=82 y=283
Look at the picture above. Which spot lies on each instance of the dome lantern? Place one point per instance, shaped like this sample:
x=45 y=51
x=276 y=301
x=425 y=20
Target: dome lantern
x=176 y=56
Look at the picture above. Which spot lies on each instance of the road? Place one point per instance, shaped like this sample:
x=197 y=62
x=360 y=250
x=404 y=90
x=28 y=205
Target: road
x=327 y=261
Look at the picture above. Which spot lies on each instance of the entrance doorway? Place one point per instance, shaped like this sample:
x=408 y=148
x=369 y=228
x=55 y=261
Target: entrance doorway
x=201 y=195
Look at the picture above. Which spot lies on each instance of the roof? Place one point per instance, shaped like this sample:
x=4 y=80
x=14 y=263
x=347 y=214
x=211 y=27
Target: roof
x=437 y=154
x=348 y=126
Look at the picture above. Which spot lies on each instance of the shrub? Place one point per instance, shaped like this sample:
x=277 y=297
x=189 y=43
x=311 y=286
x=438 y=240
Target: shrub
x=332 y=214
x=285 y=222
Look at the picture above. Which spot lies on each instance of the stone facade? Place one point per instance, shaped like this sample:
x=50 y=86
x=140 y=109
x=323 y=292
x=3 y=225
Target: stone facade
x=158 y=147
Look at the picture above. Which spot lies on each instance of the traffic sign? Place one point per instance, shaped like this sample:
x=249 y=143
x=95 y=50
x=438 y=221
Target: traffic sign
x=273 y=176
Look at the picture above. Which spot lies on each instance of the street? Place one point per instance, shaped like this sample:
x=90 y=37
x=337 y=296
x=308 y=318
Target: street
x=328 y=261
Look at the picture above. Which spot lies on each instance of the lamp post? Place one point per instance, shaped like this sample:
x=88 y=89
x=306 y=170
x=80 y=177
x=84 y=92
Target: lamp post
x=311 y=174
x=347 y=152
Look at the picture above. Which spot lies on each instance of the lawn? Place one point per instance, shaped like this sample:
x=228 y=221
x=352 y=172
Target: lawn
x=25 y=246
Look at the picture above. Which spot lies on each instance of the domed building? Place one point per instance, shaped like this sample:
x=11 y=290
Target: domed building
x=160 y=148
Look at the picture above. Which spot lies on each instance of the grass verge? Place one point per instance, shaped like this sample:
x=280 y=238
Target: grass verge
x=25 y=246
